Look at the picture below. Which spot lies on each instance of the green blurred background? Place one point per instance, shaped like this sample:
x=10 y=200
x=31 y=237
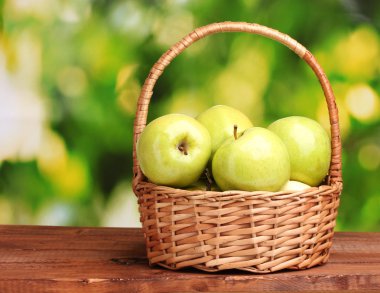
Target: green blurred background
x=71 y=71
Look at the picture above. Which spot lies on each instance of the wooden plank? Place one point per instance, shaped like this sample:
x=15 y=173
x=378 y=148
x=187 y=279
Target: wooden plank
x=68 y=259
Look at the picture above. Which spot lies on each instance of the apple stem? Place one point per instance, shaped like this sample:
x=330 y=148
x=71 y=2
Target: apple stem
x=235 y=131
x=182 y=148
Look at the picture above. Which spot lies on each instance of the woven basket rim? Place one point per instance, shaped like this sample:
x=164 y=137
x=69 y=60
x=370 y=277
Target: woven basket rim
x=172 y=192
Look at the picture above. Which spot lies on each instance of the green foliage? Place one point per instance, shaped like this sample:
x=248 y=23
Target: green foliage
x=75 y=69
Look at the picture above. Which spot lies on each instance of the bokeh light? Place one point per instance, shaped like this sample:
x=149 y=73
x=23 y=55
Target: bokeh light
x=243 y=82
x=369 y=156
x=122 y=209
x=356 y=56
x=72 y=81
x=22 y=117
x=363 y=102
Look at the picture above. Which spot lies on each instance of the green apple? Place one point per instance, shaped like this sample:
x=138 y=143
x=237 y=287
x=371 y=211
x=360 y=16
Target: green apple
x=256 y=160
x=308 y=145
x=219 y=121
x=292 y=185
x=173 y=150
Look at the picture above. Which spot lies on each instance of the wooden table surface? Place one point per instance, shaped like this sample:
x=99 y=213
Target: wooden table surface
x=72 y=259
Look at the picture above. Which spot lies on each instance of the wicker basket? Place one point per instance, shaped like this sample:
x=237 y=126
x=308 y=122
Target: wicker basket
x=257 y=231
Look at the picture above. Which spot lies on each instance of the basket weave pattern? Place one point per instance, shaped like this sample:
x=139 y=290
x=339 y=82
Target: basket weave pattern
x=254 y=231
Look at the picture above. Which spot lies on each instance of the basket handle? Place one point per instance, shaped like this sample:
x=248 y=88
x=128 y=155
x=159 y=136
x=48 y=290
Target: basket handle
x=335 y=171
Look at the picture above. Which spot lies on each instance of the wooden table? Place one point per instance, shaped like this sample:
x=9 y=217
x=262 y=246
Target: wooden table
x=68 y=259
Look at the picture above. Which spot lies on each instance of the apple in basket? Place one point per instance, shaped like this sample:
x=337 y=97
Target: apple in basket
x=173 y=150
x=255 y=160
x=308 y=146
x=219 y=121
x=293 y=185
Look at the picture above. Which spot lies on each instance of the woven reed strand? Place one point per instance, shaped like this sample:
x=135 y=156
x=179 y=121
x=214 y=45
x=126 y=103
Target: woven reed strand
x=254 y=231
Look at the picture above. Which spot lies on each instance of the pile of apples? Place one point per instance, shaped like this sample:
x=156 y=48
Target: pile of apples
x=222 y=147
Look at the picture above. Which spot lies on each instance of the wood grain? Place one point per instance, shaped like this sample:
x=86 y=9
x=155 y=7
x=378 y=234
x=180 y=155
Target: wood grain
x=71 y=259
